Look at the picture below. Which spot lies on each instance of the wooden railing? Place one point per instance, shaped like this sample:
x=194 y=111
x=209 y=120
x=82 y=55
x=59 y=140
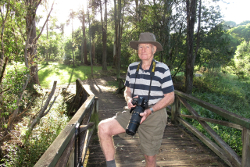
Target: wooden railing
x=222 y=149
x=62 y=151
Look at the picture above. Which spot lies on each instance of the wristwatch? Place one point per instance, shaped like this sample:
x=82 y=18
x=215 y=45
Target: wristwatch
x=151 y=109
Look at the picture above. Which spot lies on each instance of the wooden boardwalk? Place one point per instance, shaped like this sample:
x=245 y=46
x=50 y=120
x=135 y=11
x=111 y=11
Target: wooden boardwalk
x=179 y=147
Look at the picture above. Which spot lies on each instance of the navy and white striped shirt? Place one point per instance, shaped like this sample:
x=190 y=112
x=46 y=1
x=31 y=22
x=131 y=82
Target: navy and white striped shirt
x=161 y=83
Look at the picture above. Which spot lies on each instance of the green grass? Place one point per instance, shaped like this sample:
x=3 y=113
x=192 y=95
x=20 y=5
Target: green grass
x=64 y=74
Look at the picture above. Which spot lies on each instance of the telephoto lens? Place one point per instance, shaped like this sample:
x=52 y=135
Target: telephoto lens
x=135 y=119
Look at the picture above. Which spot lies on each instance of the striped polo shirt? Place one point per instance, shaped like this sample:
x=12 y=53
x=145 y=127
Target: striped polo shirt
x=161 y=83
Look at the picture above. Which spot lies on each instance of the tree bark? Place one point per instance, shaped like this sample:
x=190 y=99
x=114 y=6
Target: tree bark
x=119 y=39
x=191 y=16
x=90 y=44
x=115 y=36
x=31 y=40
x=84 y=42
x=104 y=38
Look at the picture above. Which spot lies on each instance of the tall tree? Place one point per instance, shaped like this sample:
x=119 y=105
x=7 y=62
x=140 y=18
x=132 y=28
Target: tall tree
x=90 y=43
x=72 y=16
x=104 y=36
x=84 y=40
x=191 y=6
x=119 y=35
x=115 y=35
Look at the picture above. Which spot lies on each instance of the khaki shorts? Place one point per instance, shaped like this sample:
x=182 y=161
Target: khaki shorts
x=150 y=131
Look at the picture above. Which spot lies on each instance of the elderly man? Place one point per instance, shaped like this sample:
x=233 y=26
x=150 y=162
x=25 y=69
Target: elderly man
x=157 y=89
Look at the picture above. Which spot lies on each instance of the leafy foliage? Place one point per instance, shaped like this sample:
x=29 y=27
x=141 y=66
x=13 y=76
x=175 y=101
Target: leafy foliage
x=241 y=64
x=13 y=84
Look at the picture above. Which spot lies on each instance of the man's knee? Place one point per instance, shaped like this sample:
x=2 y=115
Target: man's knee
x=109 y=127
x=103 y=127
x=150 y=159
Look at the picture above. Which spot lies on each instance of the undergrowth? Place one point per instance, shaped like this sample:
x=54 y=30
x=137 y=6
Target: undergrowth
x=28 y=153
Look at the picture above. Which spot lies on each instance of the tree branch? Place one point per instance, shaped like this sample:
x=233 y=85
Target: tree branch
x=45 y=22
x=42 y=110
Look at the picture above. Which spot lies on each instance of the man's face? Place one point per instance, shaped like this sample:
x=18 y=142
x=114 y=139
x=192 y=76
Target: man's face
x=146 y=51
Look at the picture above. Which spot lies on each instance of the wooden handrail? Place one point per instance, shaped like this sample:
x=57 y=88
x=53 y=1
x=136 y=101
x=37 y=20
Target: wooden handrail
x=224 y=151
x=220 y=111
x=58 y=152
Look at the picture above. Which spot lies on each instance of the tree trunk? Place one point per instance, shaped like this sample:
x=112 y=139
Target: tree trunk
x=90 y=56
x=73 y=53
x=31 y=40
x=191 y=16
x=84 y=42
x=115 y=36
x=119 y=39
x=104 y=38
x=31 y=51
x=93 y=52
x=47 y=47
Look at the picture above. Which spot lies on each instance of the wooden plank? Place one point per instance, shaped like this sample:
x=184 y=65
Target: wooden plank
x=224 y=123
x=230 y=153
x=224 y=113
x=246 y=148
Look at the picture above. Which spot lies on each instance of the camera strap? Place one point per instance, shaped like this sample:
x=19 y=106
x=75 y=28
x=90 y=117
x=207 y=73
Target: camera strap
x=152 y=66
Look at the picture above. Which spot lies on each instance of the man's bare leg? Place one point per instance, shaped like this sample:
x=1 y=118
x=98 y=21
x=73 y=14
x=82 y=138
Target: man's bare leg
x=150 y=161
x=106 y=130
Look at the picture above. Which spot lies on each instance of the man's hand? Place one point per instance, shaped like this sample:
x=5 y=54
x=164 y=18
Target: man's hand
x=129 y=103
x=145 y=114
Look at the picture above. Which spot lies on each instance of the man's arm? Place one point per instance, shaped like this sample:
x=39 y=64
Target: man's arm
x=128 y=97
x=164 y=102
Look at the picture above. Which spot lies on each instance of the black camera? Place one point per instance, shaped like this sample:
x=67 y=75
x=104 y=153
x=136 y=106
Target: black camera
x=141 y=105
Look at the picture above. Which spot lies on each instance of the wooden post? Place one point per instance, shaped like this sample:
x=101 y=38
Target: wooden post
x=120 y=85
x=96 y=105
x=246 y=147
x=175 y=110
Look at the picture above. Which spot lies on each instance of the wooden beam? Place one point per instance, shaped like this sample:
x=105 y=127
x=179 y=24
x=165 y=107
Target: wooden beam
x=246 y=148
x=224 y=123
x=175 y=110
x=224 y=113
